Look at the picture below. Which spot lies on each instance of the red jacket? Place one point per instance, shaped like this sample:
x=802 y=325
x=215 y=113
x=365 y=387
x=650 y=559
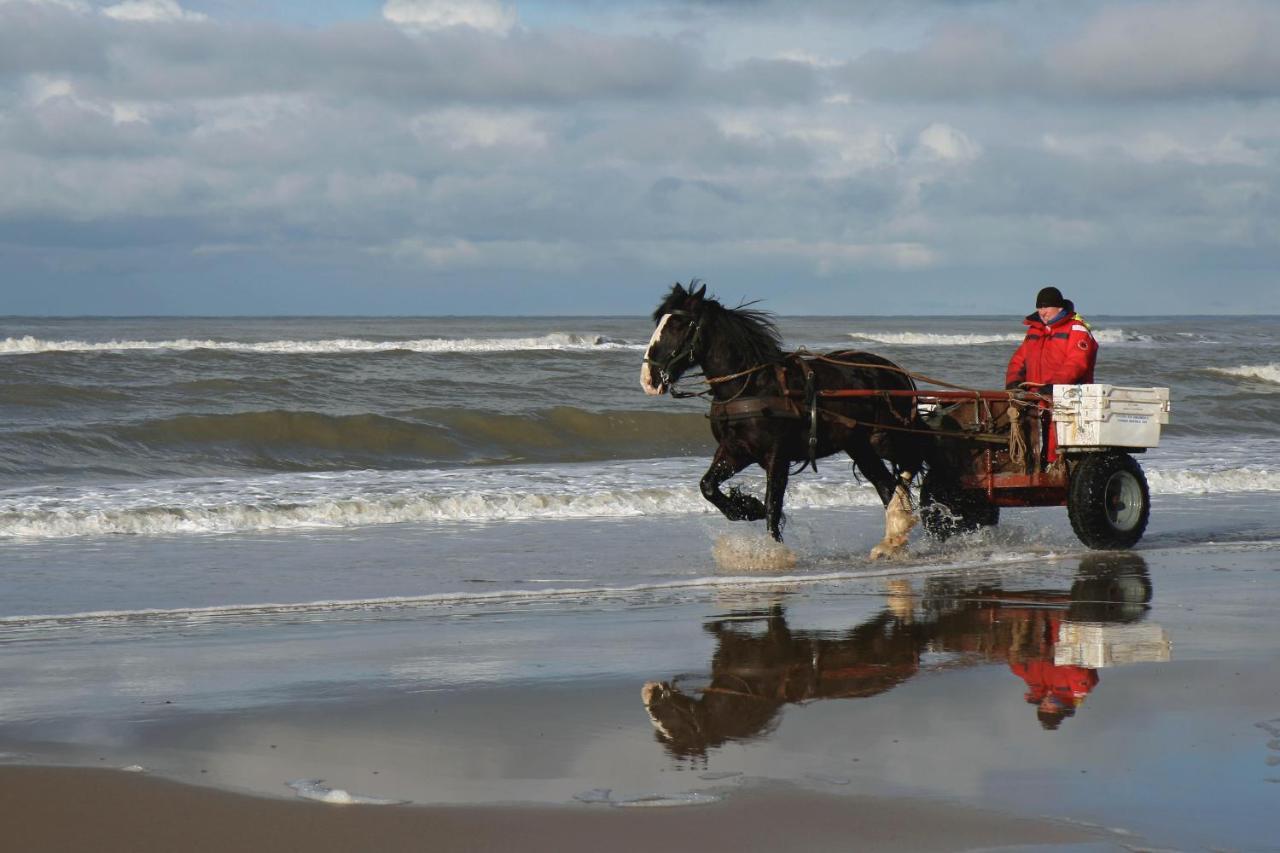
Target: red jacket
x=1063 y=353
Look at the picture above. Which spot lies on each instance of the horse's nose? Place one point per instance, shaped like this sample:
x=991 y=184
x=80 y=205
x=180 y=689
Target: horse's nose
x=652 y=388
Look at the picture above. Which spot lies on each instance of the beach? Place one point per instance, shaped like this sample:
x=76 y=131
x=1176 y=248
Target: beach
x=893 y=689
x=235 y=616
x=141 y=815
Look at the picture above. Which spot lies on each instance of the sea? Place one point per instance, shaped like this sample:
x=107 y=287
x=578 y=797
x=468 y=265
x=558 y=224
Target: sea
x=199 y=464
x=455 y=559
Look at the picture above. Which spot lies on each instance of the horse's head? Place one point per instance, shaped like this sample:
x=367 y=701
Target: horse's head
x=674 y=346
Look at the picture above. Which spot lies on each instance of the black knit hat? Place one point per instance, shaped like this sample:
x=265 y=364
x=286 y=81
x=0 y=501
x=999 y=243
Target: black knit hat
x=1050 y=297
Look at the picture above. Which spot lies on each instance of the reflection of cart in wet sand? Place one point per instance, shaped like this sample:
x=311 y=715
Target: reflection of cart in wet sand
x=998 y=441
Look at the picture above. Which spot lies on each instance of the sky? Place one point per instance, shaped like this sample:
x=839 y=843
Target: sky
x=579 y=157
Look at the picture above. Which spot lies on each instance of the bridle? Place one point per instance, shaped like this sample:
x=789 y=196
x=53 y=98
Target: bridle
x=685 y=352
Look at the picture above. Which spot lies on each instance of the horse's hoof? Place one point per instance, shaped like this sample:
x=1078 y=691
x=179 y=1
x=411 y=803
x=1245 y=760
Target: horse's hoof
x=887 y=550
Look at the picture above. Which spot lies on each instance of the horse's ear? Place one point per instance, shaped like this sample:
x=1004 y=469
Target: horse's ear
x=702 y=291
x=678 y=289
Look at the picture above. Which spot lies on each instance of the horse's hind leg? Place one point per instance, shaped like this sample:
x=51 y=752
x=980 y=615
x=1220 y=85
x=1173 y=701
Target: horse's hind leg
x=735 y=506
x=894 y=494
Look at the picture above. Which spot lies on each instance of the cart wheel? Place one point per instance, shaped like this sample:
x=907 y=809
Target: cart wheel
x=946 y=510
x=1108 y=500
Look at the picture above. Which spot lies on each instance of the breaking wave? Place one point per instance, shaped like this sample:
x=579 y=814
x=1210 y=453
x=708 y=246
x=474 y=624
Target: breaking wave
x=927 y=339
x=142 y=516
x=292 y=440
x=931 y=339
x=359 y=499
x=1264 y=372
x=556 y=341
x=1183 y=482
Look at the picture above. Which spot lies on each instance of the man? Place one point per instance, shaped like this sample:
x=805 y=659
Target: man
x=1059 y=349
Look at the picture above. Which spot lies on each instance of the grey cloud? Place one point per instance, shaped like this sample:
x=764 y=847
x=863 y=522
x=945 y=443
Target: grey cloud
x=183 y=59
x=463 y=157
x=60 y=127
x=1224 y=48
x=44 y=38
x=959 y=62
x=1176 y=50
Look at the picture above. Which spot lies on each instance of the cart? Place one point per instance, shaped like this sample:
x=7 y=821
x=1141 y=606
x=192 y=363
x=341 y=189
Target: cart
x=996 y=444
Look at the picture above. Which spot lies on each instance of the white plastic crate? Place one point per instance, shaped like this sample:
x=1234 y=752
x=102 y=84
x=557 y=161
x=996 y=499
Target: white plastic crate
x=1109 y=415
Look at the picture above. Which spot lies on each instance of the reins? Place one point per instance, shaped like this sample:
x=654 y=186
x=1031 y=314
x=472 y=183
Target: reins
x=736 y=408
x=810 y=396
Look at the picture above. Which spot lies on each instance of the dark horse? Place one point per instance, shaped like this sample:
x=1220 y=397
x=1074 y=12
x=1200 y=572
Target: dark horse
x=767 y=408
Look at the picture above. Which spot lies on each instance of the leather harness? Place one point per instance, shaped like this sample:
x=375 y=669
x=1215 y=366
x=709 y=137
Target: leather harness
x=795 y=403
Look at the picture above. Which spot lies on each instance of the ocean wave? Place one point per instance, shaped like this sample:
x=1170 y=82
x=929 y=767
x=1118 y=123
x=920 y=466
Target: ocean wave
x=301 y=440
x=1264 y=372
x=142 y=516
x=930 y=339
x=934 y=339
x=466 y=496
x=29 y=345
x=1203 y=482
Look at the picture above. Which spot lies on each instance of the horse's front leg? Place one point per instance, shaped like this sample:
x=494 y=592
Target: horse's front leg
x=735 y=506
x=776 y=474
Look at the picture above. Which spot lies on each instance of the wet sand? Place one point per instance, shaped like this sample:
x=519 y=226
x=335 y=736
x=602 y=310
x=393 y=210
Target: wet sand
x=68 y=809
x=903 y=710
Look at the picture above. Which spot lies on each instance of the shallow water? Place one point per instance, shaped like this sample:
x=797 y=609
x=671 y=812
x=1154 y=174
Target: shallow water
x=838 y=675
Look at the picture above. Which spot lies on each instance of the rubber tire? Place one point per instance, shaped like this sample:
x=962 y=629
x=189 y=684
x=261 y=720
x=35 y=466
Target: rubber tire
x=1096 y=500
x=966 y=510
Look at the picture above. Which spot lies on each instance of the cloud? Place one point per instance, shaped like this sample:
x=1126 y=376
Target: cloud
x=975 y=140
x=456 y=253
x=1167 y=50
x=942 y=142
x=1174 y=50
x=426 y=15
x=460 y=128
x=957 y=61
x=151 y=11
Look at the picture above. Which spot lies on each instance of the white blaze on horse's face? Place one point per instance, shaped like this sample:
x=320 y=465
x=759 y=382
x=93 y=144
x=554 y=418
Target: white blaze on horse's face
x=651 y=387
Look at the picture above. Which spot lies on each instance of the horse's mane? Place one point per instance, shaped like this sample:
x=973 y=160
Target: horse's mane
x=745 y=330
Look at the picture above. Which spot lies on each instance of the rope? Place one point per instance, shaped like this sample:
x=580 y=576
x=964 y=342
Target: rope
x=1017 y=441
x=716 y=380
x=918 y=377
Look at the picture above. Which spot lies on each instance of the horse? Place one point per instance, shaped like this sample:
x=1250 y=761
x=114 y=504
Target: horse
x=766 y=409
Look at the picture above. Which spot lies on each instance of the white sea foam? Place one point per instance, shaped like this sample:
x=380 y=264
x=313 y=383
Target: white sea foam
x=660 y=801
x=1265 y=372
x=556 y=341
x=1203 y=482
x=359 y=499
x=461 y=599
x=930 y=339
x=934 y=339
x=314 y=789
x=314 y=502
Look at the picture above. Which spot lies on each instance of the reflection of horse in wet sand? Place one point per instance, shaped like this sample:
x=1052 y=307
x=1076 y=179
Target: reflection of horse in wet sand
x=754 y=673
x=766 y=409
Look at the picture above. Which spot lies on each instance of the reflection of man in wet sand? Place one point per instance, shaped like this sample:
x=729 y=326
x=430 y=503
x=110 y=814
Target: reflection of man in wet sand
x=1056 y=690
